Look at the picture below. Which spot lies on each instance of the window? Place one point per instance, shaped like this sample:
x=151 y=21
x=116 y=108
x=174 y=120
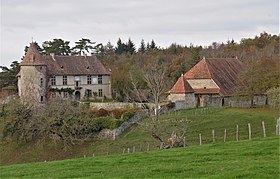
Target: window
x=53 y=81
x=88 y=93
x=100 y=93
x=41 y=82
x=42 y=98
x=65 y=94
x=89 y=79
x=64 y=80
x=99 y=79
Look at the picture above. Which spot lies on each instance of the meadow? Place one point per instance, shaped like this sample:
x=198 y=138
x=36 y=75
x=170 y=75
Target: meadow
x=257 y=158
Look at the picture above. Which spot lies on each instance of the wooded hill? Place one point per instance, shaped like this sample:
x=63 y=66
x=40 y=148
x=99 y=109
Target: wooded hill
x=129 y=66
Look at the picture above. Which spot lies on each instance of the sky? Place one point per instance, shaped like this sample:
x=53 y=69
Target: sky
x=184 y=22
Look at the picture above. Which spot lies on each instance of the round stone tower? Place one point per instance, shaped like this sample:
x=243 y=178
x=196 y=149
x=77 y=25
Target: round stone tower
x=32 y=78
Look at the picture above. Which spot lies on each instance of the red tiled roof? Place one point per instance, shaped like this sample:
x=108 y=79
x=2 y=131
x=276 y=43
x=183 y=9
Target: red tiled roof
x=224 y=72
x=181 y=86
x=200 y=70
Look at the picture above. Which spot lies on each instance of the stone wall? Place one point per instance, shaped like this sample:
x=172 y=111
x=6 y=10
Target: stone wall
x=32 y=84
x=112 y=134
x=259 y=100
x=120 y=105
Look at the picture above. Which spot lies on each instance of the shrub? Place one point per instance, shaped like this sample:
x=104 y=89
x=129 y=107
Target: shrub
x=170 y=105
x=106 y=123
x=127 y=115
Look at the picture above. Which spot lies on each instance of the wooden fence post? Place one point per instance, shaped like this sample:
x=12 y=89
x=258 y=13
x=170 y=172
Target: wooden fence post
x=200 y=140
x=237 y=133
x=133 y=149
x=93 y=155
x=123 y=150
x=184 y=141
x=213 y=135
x=278 y=127
x=225 y=135
x=140 y=148
x=128 y=150
x=249 y=130
x=263 y=126
x=148 y=147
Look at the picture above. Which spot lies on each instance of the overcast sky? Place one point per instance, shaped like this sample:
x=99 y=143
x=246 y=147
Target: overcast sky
x=199 y=22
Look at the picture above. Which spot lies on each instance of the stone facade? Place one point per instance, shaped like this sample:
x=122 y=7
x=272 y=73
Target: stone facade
x=32 y=84
x=81 y=77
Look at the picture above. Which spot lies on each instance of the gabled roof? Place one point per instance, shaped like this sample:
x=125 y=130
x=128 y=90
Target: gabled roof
x=64 y=65
x=199 y=71
x=181 y=86
x=75 y=65
x=32 y=57
x=224 y=72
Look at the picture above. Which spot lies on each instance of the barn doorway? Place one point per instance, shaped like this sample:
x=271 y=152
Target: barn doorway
x=223 y=102
x=77 y=95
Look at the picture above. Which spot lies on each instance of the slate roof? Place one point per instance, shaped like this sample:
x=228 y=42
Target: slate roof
x=224 y=72
x=65 y=65
x=181 y=86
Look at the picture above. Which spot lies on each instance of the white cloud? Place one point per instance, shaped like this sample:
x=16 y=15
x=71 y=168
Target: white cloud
x=182 y=21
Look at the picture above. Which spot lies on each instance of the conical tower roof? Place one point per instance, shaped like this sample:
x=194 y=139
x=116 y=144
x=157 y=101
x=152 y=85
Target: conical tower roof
x=32 y=57
x=182 y=86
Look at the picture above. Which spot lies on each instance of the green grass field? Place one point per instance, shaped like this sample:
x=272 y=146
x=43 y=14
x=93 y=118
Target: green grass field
x=199 y=121
x=258 y=158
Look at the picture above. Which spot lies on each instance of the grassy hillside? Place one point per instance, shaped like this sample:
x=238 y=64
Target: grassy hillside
x=258 y=158
x=198 y=121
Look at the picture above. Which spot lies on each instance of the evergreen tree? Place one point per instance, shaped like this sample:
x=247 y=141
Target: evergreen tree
x=153 y=45
x=142 y=48
x=57 y=46
x=109 y=49
x=83 y=46
x=8 y=75
x=121 y=47
x=148 y=46
x=130 y=46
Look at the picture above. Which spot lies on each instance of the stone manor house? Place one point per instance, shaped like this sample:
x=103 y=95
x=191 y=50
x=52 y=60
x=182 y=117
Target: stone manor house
x=42 y=77
x=211 y=82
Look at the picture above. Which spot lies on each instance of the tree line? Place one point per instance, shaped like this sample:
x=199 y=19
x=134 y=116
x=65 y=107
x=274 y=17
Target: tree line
x=130 y=67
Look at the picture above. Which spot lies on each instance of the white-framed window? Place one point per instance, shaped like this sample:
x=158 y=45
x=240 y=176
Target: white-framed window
x=100 y=93
x=89 y=79
x=53 y=81
x=99 y=79
x=64 y=80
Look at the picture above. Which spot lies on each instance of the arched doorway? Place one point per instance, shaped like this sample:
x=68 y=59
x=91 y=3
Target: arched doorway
x=77 y=95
